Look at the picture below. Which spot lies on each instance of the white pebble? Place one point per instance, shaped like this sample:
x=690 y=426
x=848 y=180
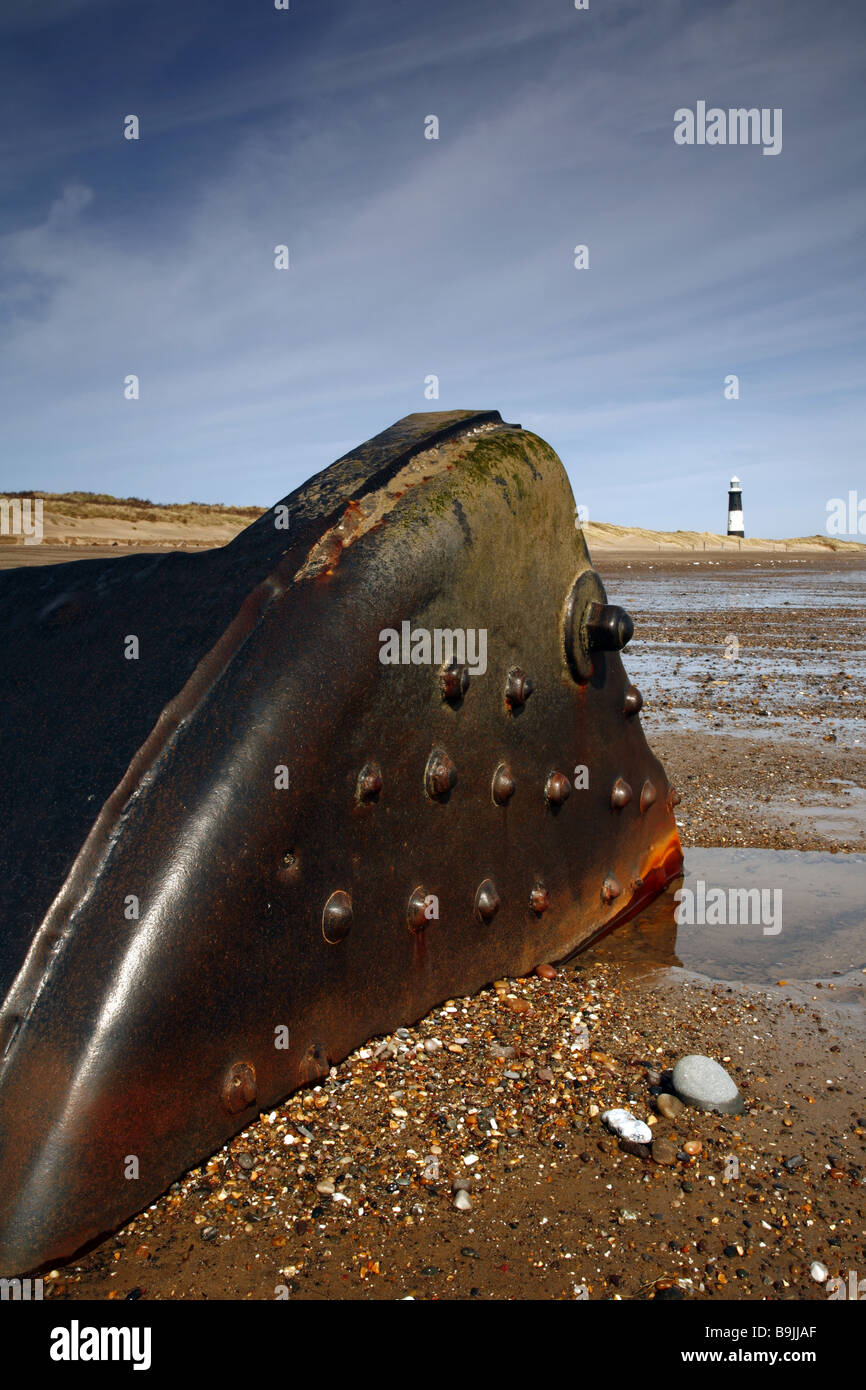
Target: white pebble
x=627 y=1127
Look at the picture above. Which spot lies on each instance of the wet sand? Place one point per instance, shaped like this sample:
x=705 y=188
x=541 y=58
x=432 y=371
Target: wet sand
x=347 y=1191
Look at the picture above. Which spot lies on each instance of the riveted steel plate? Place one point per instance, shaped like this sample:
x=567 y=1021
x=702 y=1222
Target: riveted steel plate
x=295 y=821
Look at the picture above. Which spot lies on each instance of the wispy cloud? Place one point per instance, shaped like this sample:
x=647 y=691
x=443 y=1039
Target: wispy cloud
x=454 y=257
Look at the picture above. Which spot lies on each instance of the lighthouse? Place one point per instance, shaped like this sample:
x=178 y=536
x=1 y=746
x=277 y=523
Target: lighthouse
x=735 y=509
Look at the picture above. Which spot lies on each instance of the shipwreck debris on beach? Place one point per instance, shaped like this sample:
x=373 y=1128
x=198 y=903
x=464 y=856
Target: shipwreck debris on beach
x=238 y=843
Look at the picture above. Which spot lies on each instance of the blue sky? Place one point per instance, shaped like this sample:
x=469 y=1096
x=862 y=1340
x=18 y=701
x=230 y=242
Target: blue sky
x=412 y=257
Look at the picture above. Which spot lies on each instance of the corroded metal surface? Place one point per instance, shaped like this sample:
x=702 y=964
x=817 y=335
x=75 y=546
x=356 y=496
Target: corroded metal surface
x=303 y=815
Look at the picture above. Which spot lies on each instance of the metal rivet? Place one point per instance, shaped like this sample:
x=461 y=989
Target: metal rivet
x=518 y=688
x=416 y=914
x=633 y=703
x=337 y=917
x=290 y=869
x=557 y=788
x=239 y=1087
x=611 y=888
x=503 y=785
x=673 y=799
x=486 y=901
x=648 y=795
x=454 y=681
x=370 y=782
x=314 y=1065
x=539 y=898
x=440 y=774
x=621 y=794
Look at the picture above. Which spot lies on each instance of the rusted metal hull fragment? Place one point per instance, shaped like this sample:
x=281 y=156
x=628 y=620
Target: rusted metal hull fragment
x=305 y=814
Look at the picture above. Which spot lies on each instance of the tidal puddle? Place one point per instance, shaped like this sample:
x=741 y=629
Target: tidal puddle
x=755 y=916
x=787 y=677
x=756 y=588
x=846 y=817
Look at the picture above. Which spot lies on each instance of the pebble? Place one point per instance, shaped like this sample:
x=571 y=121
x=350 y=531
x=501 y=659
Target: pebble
x=795 y=1161
x=209 y=1233
x=546 y=972
x=818 y=1271
x=627 y=1127
x=529 y=1131
x=670 y=1107
x=664 y=1151
x=636 y=1147
x=705 y=1085
x=692 y=1147
x=519 y=1006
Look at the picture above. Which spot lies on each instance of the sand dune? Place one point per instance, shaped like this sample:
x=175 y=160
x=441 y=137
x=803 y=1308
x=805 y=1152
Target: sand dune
x=87 y=521
x=603 y=536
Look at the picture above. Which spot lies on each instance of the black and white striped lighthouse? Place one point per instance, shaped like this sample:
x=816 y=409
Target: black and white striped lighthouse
x=735 y=509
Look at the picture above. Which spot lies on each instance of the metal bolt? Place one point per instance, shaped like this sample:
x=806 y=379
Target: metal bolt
x=518 y=687
x=337 y=917
x=415 y=914
x=557 y=788
x=648 y=795
x=539 y=898
x=611 y=888
x=370 y=782
x=621 y=794
x=503 y=786
x=633 y=701
x=608 y=627
x=239 y=1087
x=454 y=680
x=440 y=775
x=486 y=901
